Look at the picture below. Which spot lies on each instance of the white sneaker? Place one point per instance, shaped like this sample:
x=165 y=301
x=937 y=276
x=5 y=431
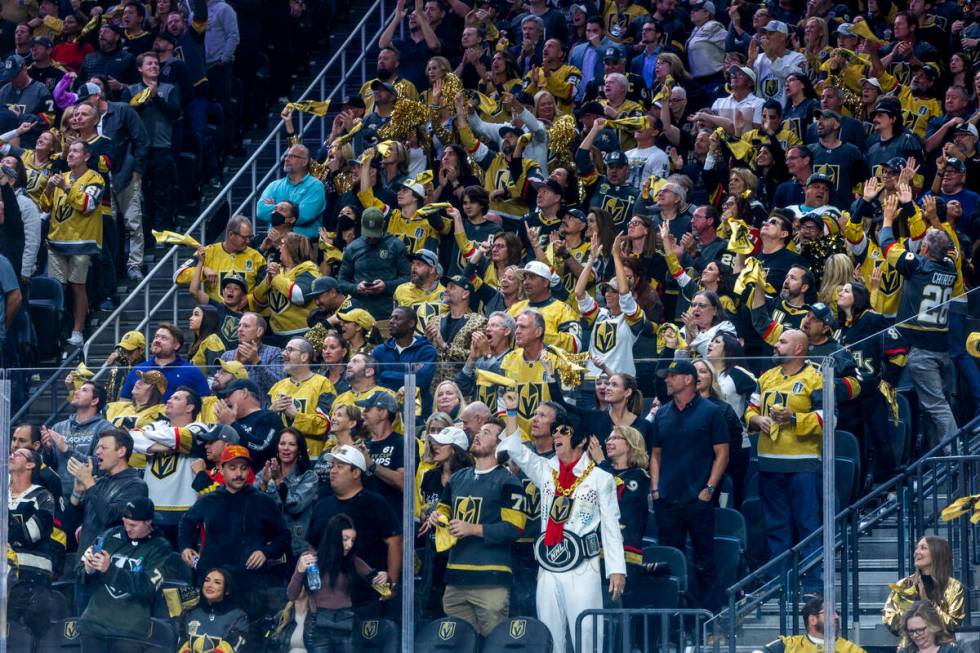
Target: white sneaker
x=77 y=339
x=135 y=274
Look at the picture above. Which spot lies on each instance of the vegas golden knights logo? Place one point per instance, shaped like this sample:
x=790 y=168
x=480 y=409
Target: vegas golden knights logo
x=369 y=629
x=605 y=336
x=616 y=208
x=831 y=170
x=770 y=399
x=561 y=509
x=447 y=629
x=531 y=395
x=163 y=466
x=229 y=329
x=278 y=302
x=770 y=87
x=502 y=179
x=532 y=498
x=467 y=509
x=517 y=628
x=71 y=629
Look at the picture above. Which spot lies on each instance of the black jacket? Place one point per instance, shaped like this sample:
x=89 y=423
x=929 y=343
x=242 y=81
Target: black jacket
x=103 y=504
x=235 y=526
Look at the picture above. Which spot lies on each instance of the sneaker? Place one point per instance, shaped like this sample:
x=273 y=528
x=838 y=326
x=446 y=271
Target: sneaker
x=134 y=274
x=76 y=339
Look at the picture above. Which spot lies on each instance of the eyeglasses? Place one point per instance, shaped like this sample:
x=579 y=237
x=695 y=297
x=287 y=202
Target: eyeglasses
x=615 y=437
x=775 y=221
x=700 y=305
x=499 y=246
x=290 y=155
x=636 y=223
x=916 y=632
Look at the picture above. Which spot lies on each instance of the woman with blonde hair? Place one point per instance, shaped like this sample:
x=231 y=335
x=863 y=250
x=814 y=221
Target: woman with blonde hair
x=923 y=631
x=545 y=107
x=932 y=583
x=285 y=289
x=448 y=399
x=837 y=271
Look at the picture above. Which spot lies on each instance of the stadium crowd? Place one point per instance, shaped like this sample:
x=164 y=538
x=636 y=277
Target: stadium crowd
x=614 y=244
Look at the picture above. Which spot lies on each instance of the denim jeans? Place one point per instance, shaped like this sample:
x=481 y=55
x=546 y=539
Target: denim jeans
x=927 y=370
x=791 y=507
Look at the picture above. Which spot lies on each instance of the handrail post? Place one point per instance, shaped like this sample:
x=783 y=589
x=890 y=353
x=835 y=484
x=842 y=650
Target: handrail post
x=901 y=497
x=732 y=623
x=846 y=532
x=829 y=507
x=855 y=572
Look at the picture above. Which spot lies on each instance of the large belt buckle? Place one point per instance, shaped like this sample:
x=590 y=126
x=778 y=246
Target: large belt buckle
x=564 y=556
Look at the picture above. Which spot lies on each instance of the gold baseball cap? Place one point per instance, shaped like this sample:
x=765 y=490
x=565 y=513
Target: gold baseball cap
x=154 y=378
x=358 y=316
x=132 y=340
x=235 y=368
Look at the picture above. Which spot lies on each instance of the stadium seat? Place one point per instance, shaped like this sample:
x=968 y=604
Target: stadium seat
x=845 y=473
x=846 y=446
x=62 y=637
x=731 y=523
x=519 y=634
x=729 y=563
x=658 y=592
x=19 y=637
x=775 y=646
x=448 y=634
x=67 y=589
x=725 y=491
x=757 y=552
x=163 y=637
x=751 y=486
x=60 y=606
x=47 y=305
x=673 y=557
x=379 y=635
x=650 y=533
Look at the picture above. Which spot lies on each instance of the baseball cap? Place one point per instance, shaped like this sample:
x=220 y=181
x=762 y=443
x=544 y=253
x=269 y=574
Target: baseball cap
x=707 y=5
x=166 y=36
x=539 y=269
x=321 y=285
x=354 y=101
x=347 y=454
x=428 y=257
x=748 y=72
x=931 y=71
x=508 y=129
x=380 y=399
x=776 y=26
x=378 y=85
x=820 y=178
x=240 y=384
x=956 y=164
x=235 y=277
x=11 y=66
x=612 y=285
x=551 y=185
x=235 y=368
x=232 y=452
x=871 y=80
x=414 y=186
x=132 y=340
x=812 y=216
x=679 y=366
x=888 y=105
x=154 y=378
x=459 y=280
x=372 y=223
x=828 y=113
x=41 y=40
x=612 y=53
x=844 y=29
x=617 y=158
x=968 y=128
x=87 y=90
x=139 y=509
x=575 y=213
x=589 y=108
x=359 y=317
x=895 y=164
x=452 y=435
x=222 y=432
x=823 y=313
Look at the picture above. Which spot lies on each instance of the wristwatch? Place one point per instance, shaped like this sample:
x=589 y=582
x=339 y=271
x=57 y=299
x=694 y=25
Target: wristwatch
x=373 y=466
x=710 y=488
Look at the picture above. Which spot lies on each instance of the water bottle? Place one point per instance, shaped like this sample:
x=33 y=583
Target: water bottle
x=313 y=577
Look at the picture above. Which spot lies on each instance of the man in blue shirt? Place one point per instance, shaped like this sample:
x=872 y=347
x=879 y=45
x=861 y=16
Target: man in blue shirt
x=689 y=457
x=299 y=187
x=950 y=185
x=167 y=342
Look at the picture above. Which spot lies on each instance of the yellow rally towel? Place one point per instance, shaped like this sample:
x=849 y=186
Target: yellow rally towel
x=740 y=241
x=485 y=378
x=444 y=539
x=963 y=506
x=861 y=29
x=435 y=207
x=889 y=393
x=630 y=122
x=486 y=105
x=316 y=107
x=140 y=98
x=174 y=238
x=752 y=273
x=739 y=148
x=661 y=336
x=425 y=177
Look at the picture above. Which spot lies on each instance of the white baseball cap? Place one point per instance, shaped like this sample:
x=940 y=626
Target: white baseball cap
x=452 y=435
x=542 y=270
x=348 y=454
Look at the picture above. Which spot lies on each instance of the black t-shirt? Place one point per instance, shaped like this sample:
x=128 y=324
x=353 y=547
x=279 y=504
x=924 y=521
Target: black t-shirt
x=777 y=265
x=258 y=432
x=389 y=453
x=373 y=520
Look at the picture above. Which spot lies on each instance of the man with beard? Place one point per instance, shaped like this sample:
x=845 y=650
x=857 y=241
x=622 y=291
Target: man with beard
x=776 y=259
x=241 y=408
x=189 y=48
x=304 y=397
x=787 y=411
x=403 y=352
x=771 y=317
x=842 y=162
x=167 y=342
x=918 y=104
x=111 y=61
x=227 y=372
x=361 y=375
x=42 y=68
x=416 y=50
x=299 y=187
x=387 y=72
x=479 y=573
x=893 y=140
x=423 y=292
x=373 y=266
x=851 y=131
x=508 y=176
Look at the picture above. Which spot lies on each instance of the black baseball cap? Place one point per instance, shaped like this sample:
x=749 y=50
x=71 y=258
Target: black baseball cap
x=589 y=108
x=823 y=313
x=551 y=185
x=820 y=178
x=42 y=40
x=139 y=509
x=240 y=384
x=612 y=53
x=459 y=280
x=355 y=101
x=235 y=277
x=508 y=129
x=378 y=85
x=321 y=285
x=222 y=432
x=617 y=158
x=679 y=366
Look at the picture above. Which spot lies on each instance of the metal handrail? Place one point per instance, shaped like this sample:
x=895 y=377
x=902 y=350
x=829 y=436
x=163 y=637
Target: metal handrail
x=357 y=38
x=848 y=526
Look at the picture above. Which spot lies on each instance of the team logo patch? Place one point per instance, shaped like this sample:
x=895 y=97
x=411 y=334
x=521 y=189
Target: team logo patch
x=561 y=509
x=605 y=336
x=467 y=509
x=531 y=396
x=447 y=629
x=517 y=628
x=369 y=629
x=770 y=87
x=71 y=629
x=163 y=466
x=797 y=387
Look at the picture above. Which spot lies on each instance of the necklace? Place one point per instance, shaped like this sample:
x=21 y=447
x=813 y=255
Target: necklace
x=570 y=490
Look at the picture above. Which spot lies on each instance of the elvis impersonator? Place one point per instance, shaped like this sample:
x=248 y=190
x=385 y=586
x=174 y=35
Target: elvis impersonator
x=578 y=502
